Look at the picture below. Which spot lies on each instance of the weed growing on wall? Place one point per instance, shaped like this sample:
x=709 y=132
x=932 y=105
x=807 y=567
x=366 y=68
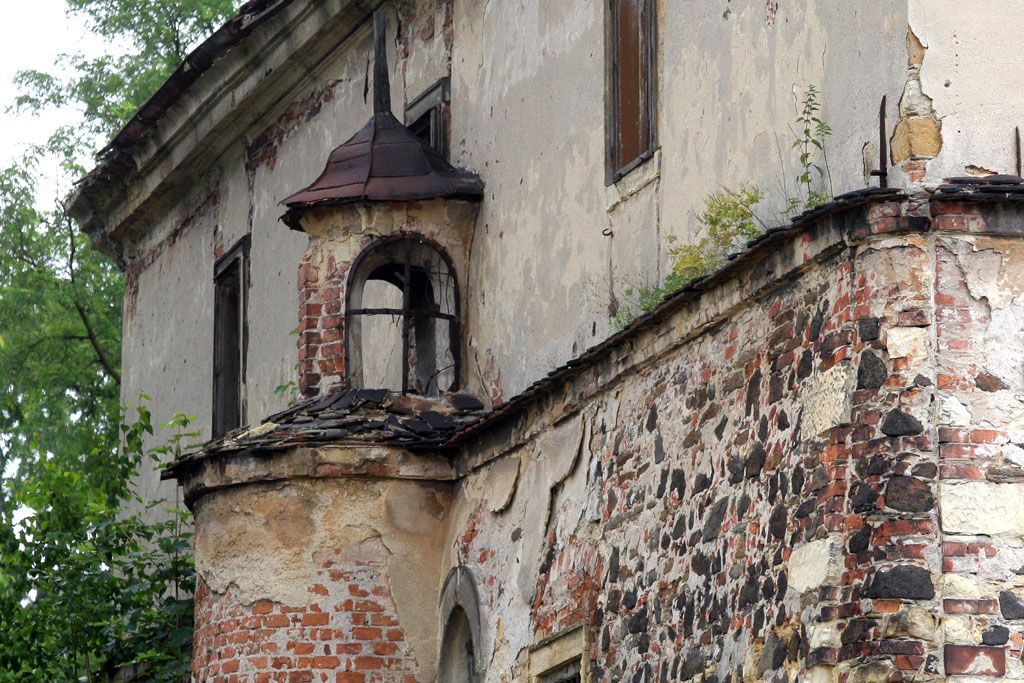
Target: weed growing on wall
x=811 y=133
x=729 y=220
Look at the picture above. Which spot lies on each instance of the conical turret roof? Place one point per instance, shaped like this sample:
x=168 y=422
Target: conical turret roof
x=384 y=161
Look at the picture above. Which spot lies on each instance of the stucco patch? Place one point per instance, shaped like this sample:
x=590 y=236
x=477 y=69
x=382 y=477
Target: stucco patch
x=907 y=342
x=826 y=399
x=980 y=507
x=953 y=413
x=1004 y=346
x=812 y=564
x=501 y=481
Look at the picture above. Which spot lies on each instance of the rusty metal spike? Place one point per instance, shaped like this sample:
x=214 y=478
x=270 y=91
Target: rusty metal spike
x=381 y=80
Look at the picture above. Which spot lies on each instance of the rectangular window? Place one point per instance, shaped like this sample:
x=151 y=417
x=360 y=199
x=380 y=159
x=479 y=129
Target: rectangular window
x=566 y=673
x=632 y=85
x=560 y=658
x=230 y=332
x=427 y=116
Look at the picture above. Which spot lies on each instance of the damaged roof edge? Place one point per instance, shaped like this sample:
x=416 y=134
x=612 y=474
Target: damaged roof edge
x=115 y=159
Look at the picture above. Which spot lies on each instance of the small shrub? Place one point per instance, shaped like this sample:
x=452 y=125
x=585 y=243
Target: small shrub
x=730 y=222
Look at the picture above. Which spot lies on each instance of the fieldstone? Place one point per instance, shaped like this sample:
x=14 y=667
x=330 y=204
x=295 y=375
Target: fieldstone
x=811 y=564
x=860 y=540
x=713 y=524
x=899 y=423
x=659 y=449
x=755 y=461
x=902 y=581
x=903 y=342
x=825 y=399
x=981 y=507
x=680 y=527
x=1011 y=605
x=989 y=382
x=995 y=635
x=777 y=522
x=913 y=622
x=909 y=495
x=862 y=497
x=868 y=329
x=873 y=672
x=652 y=418
x=638 y=622
x=678 y=483
x=872 y=372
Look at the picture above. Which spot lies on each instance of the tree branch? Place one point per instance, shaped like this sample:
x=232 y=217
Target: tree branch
x=94 y=341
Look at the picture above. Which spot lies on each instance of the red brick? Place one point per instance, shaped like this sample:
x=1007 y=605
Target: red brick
x=976 y=660
x=316 y=619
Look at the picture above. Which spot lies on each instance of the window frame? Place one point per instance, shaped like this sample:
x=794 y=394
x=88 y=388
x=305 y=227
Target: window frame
x=615 y=168
x=433 y=105
x=407 y=312
x=236 y=256
x=551 y=657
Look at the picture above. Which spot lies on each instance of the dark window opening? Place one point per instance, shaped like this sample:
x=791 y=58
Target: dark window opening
x=402 y=319
x=632 y=90
x=457 y=663
x=231 y=275
x=427 y=116
x=566 y=673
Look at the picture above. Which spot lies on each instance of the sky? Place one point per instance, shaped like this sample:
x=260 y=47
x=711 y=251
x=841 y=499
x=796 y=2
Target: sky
x=32 y=35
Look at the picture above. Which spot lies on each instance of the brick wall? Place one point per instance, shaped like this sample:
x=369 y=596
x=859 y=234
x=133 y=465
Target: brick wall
x=347 y=633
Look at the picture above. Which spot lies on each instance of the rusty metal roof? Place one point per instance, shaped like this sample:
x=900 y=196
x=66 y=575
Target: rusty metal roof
x=384 y=161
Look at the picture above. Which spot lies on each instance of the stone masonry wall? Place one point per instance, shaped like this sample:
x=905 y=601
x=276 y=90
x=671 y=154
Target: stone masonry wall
x=753 y=490
x=811 y=469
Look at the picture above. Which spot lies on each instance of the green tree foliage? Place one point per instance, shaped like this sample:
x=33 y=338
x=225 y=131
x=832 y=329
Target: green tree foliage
x=155 y=36
x=87 y=588
x=85 y=585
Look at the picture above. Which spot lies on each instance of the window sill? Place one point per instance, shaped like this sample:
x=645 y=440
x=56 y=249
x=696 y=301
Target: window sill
x=635 y=180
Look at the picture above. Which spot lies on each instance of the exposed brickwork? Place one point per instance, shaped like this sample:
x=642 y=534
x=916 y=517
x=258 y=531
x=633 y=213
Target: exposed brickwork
x=321 y=322
x=261 y=151
x=139 y=262
x=347 y=633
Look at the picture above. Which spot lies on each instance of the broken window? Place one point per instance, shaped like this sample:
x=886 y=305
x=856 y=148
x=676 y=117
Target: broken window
x=426 y=116
x=402 y=319
x=230 y=329
x=631 y=85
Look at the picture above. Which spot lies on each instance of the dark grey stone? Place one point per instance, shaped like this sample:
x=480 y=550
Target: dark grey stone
x=898 y=423
x=902 y=581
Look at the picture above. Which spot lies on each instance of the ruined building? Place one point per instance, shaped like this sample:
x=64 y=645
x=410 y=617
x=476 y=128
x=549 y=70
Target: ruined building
x=375 y=246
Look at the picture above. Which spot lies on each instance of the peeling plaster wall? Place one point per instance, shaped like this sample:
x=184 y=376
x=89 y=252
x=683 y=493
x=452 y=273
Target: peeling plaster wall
x=528 y=115
x=972 y=74
x=168 y=329
x=168 y=340
x=319 y=576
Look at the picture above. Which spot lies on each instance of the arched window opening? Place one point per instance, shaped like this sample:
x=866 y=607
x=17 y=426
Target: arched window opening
x=402 y=319
x=457 y=663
